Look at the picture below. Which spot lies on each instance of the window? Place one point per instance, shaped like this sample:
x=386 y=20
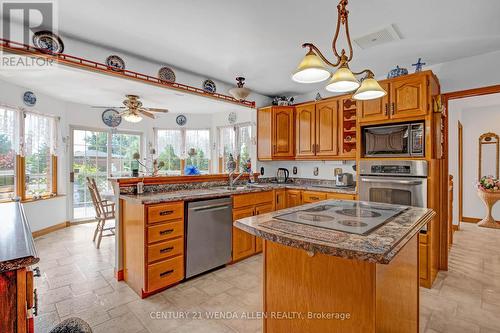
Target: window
x=8 y=126
x=169 y=150
x=178 y=148
x=123 y=147
x=28 y=165
x=198 y=149
x=38 y=145
x=235 y=140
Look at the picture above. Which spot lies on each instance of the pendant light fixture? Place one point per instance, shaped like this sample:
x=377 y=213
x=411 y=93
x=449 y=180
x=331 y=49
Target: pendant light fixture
x=313 y=68
x=240 y=92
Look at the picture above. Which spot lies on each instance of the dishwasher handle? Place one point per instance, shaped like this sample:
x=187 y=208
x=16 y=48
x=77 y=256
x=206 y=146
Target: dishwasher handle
x=208 y=208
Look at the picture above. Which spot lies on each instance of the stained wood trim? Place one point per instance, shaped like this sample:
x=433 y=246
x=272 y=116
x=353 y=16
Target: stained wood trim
x=54 y=174
x=93 y=66
x=119 y=275
x=455 y=227
x=50 y=229
x=470 y=219
x=460 y=173
x=22 y=314
x=472 y=92
x=123 y=182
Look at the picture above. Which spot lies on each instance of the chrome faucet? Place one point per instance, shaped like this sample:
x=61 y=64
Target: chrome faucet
x=234 y=180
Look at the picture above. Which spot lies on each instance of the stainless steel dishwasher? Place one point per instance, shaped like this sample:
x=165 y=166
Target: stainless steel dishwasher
x=208 y=235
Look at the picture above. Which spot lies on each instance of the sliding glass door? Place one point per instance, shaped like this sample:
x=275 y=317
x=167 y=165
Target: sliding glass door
x=98 y=154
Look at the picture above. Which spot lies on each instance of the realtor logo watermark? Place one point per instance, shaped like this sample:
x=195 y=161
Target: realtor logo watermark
x=20 y=21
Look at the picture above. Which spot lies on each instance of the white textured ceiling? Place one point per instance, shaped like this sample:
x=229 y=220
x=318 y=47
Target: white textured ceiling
x=261 y=39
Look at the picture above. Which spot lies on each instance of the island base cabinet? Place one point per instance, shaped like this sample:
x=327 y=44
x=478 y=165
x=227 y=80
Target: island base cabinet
x=357 y=296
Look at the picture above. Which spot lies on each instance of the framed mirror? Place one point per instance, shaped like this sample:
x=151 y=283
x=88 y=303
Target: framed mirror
x=488 y=155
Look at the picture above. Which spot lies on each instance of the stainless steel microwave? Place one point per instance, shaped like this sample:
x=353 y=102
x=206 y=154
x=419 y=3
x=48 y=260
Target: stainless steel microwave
x=398 y=140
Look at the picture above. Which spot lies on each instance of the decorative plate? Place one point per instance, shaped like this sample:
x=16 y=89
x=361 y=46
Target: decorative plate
x=29 y=98
x=115 y=63
x=209 y=86
x=232 y=118
x=111 y=118
x=398 y=71
x=48 y=41
x=166 y=74
x=181 y=120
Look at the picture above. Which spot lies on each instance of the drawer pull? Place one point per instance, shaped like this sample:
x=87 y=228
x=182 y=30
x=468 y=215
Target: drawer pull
x=35 y=303
x=167 y=249
x=166 y=232
x=166 y=273
x=166 y=212
x=314 y=198
x=36 y=272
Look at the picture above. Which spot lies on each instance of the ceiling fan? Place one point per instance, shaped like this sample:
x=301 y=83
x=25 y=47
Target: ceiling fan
x=133 y=109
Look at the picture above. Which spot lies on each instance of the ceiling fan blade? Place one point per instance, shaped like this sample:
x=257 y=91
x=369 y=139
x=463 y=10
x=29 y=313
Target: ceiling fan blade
x=147 y=114
x=157 y=110
x=107 y=107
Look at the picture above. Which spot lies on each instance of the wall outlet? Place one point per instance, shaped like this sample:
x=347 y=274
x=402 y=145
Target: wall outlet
x=294 y=170
x=316 y=171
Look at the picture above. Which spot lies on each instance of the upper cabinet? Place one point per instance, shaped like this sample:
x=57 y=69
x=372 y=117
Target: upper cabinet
x=275 y=133
x=327 y=131
x=407 y=97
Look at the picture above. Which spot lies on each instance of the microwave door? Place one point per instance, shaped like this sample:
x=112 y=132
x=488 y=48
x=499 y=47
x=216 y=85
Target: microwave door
x=388 y=141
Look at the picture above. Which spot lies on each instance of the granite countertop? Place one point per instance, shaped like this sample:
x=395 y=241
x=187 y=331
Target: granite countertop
x=17 y=249
x=379 y=246
x=222 y=191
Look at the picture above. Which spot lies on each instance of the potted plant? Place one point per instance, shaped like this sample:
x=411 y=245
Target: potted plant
x=489 y=193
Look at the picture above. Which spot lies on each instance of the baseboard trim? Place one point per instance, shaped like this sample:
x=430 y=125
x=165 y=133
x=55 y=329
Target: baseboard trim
x=119 y=275
x=472 y=219
x=454 y=227
x=50 y=229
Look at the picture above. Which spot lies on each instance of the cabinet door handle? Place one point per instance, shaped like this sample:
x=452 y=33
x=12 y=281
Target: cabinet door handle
x=314 y=198
x=36 y=272
x=167 y=249
x=35 y=303
x=166 y=273
x=386 y=109
x=392 y=108
x=166 y=212
x=166 y=232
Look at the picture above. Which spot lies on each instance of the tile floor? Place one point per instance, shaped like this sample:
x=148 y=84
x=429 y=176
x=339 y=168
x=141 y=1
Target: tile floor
x=77 y=280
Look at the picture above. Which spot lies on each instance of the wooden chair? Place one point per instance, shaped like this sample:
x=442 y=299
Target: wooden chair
x=104 y=210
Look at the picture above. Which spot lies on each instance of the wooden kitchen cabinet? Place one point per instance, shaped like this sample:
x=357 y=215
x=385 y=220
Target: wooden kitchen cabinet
x=279 y=199
x=153 y=251
x=305 y=128
x=275 y=133
x=312 y=196
x=341 y=196
x=293 y=198
x=407 y=96
x=246 y=205
x=327 y=131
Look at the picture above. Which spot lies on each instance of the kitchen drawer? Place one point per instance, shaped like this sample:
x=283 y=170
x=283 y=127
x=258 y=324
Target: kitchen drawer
x=310 y=196
x=165 y=212
x=165 y=249
x=251 y=199
x=341 y=196
x=165 y=231
x=165 y=273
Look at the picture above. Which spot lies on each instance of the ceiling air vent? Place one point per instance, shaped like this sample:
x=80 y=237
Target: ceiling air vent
x=380 y=37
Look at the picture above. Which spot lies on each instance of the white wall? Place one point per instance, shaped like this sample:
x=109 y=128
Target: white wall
x=305 y=169
x=478 y=115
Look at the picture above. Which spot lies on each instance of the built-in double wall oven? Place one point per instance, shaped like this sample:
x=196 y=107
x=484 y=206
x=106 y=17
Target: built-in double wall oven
x=394 y=182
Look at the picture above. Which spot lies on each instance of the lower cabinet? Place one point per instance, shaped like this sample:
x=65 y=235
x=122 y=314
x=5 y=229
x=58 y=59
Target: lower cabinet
x=312 y=196
x=279 y=199
x=300 y=197
x=153 y=237
x=293 y=198
x=245 y=205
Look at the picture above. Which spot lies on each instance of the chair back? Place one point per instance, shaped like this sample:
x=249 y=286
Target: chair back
x=96 y=197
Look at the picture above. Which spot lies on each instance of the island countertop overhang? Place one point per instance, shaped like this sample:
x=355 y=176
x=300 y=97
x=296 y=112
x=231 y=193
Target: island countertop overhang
x=380 y=246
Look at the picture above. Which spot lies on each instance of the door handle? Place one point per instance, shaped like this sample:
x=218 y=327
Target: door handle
x=211 y=207
x=404 y=182
x=72 y=177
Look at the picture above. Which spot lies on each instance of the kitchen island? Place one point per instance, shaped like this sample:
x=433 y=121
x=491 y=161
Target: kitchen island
x=340 y=266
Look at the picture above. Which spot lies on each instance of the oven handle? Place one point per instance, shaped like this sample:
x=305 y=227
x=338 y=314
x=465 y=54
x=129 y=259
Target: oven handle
x=405 y=182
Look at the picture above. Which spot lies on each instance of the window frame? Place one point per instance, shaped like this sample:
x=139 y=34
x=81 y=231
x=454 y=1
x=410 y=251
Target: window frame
x=183 y=144
x=20 y=158
x=237 y=146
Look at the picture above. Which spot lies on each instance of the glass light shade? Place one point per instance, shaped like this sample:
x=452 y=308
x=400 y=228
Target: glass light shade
x=239 y=93
x=370 y=89
x=132 y=117
x=343 y=80
x=311 y=69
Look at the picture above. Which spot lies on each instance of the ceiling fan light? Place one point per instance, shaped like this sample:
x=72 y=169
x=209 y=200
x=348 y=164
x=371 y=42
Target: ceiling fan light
x=343 y=80
x=311 y=69
x=132 y=117
x=239 y=93
x=369 y=89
